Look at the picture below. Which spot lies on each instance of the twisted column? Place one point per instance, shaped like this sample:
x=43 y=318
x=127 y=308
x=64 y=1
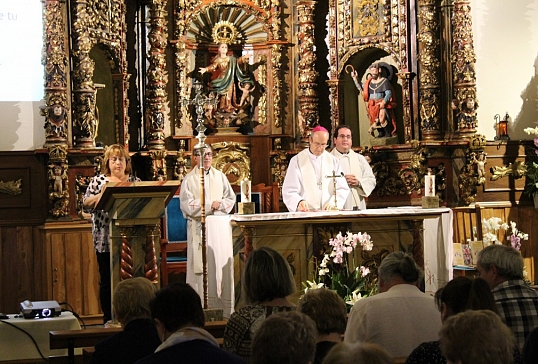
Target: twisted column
x=429 y=65
x=151 y=270
x=463 y=69
x=157 y=76
x=307 y=94
x=126 y=256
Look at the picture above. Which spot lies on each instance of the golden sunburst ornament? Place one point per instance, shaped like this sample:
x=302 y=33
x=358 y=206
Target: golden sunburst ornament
x=224 y=32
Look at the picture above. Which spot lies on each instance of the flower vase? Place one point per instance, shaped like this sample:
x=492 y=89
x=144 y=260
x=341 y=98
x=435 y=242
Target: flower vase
x=535 y=196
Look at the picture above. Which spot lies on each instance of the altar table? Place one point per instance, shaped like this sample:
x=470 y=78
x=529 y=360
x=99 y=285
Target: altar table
x=428 y=231
x=16 y=345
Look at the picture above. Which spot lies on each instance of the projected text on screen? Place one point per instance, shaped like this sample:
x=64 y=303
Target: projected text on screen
x=21 y=43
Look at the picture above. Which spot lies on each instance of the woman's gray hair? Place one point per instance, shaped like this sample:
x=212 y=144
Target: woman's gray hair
x=508 y=261
x=400 y=264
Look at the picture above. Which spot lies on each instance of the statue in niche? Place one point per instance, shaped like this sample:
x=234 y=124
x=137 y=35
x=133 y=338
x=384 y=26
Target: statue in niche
x=379 y=96
x=57 y=176
x=231 y=74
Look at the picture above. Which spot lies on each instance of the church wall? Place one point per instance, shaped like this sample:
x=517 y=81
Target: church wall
x=506 y=39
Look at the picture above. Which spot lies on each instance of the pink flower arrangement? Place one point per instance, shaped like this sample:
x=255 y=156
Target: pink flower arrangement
x=339 y=272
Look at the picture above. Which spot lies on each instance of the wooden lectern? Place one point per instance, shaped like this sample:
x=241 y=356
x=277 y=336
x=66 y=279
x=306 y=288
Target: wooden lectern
x=135 y=210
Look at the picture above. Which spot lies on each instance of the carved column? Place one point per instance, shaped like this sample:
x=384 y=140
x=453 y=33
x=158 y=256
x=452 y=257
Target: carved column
x=406 y=78
x=151 y=270
x=184 y=86
x=429 y=65
x=158 y=165
x=333 y=89
x=276 y=63
x=463 y=69
x=126 y=255
x=56 y=74
x=58 y=181
x=157 y=76
x=333 y=65
x=85 y=119
x=307 y=95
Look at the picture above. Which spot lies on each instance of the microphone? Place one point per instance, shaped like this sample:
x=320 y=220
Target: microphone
x=356 y=207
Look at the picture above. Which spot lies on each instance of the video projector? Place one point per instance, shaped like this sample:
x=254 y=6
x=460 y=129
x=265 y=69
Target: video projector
x=40 y=309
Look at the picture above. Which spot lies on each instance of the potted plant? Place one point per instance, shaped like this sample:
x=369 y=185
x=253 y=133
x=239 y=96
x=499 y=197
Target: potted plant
x=338 y=271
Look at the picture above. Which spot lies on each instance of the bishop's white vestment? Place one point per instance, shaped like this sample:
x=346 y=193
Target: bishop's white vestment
x=307 y=179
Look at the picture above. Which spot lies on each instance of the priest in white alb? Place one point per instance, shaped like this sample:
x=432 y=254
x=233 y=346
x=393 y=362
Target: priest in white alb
x=310 y=180
x=219 y=200
x=357 y=171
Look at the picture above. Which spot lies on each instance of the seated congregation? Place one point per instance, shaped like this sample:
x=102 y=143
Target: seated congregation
x=490 y=319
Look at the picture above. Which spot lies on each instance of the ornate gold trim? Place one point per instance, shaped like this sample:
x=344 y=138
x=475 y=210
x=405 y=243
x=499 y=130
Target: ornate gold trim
x=225 y=32
x=11 y=187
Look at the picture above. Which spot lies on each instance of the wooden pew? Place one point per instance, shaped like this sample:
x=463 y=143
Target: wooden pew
x=88 y=338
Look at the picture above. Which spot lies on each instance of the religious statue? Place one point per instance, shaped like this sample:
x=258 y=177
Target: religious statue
x=379 y=97
x=55 y=124
x=57 y=176
x=466 y=116
x=231 y=74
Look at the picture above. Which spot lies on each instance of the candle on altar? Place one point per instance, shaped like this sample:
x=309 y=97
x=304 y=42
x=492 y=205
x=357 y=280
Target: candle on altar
x=429 y=184
x=245 y=191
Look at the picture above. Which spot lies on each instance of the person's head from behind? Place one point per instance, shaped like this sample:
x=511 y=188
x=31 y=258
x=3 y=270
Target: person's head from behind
x=174 y=307
x=267 y=276
x=326 y=308
x=132 y=298
x=464 y=293
x=398 y=268
x=360 y=352
x=499 y=263
x=116 y=154
x=285 y=338
x=476 y=337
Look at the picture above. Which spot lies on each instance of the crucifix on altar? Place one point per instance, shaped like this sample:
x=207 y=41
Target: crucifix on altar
x=200 y=101
x=334 y=176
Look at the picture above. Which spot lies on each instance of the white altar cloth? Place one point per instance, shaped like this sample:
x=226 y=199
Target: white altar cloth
x=438 y=232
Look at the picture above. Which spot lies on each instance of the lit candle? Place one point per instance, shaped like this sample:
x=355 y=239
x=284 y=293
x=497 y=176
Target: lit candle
x=429 y=185
x=245 y=190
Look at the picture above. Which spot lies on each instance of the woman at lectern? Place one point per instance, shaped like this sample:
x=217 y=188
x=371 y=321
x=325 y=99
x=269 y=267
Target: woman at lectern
x=116 y=167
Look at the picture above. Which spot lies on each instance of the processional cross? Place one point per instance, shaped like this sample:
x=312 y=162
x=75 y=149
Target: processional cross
x=334 y=176
x=200 y=101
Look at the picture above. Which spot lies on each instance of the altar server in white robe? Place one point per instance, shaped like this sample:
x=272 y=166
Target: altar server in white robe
x=358 y=173
x=219 y=200
x=306 y=186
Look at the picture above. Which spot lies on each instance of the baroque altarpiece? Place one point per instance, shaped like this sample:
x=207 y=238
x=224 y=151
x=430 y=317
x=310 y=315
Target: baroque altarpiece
x=266 y=73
